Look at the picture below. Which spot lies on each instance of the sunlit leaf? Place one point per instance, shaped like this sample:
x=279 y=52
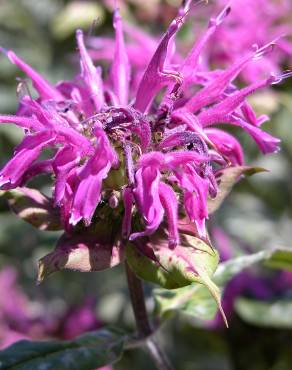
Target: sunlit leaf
x=278 y=258
x=277 y=314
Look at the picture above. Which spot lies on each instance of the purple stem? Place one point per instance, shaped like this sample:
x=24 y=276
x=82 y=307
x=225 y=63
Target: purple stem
x=142 y=321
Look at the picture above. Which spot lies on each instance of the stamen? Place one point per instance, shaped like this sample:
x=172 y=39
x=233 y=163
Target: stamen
x=113 y=200
x=220 y=18
x=280 y=78
x=22 y=88
x=128 y=204
x=129 y=164
x=93 y=26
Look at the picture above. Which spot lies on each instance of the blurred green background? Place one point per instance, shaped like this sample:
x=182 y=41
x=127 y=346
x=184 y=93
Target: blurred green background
x=256 y=216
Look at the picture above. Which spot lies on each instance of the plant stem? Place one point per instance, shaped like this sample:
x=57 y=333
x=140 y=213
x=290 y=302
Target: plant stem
x=158 y=356
x=143 y=325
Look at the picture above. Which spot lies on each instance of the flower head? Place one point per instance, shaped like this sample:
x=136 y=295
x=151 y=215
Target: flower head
x=148 y=154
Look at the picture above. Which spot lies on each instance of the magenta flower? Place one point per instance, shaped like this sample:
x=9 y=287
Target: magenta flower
x=18 y=319
x=135 y=153
x=253 y=23
x=78 y=320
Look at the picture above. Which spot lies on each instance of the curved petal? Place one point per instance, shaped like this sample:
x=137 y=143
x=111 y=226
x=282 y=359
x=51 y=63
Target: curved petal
x=170 y=205
x=90 y=74
x=227 y=145
x=147 y=199
x=42 y=86
x=120 y=70
x=65 y=160
x=94 y=171
x=26 y=153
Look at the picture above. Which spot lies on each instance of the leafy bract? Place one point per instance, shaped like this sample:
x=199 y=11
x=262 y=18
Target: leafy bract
x=94 y=248
x=193 y=261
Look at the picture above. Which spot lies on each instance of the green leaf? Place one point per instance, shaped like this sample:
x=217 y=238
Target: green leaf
x=33 y=207
x=276 y=258
x=193 y=300
x=280 y=259
x=228 y=178
x=87 y=352
x=277 y=314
